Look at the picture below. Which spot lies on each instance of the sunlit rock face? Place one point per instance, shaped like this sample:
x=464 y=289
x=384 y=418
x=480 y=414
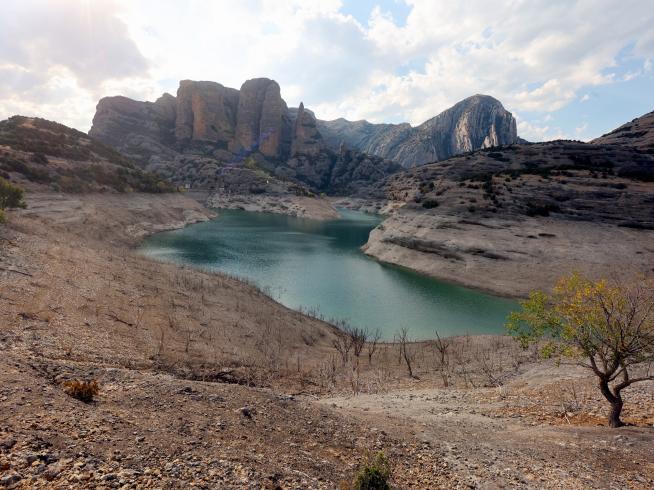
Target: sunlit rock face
x=477 y=122
x=206 y=111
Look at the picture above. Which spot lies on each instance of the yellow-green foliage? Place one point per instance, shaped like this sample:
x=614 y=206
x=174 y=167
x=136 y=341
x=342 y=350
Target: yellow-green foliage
x=82 y=390
x=374 y=473
x=582 y=317
x=608 y=325
x=249 y=163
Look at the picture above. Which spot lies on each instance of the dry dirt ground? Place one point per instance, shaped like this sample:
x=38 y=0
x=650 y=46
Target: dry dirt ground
x=206 y=382
x=193 y=368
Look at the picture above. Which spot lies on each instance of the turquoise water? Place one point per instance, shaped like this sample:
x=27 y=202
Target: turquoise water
x=318 y=265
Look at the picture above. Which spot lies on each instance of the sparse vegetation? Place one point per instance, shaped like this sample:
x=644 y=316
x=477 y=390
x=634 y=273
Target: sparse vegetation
x=11 y=196
x=90 y=165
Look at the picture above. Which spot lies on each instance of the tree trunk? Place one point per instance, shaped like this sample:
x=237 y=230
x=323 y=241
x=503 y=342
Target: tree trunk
x=614 y=416
x=616 y=404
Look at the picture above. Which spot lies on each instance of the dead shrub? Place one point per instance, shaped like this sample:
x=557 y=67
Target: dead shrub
x=82 y=390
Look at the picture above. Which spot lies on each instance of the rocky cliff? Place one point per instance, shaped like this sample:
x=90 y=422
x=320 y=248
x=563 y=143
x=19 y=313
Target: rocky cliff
x=477 y=122
x=209 y=130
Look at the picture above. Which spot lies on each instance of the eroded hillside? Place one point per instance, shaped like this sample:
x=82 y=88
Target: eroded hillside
x=514 y=218
x=37 y=152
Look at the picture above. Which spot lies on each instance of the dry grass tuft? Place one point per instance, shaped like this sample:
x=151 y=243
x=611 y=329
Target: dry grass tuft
x=82 y=390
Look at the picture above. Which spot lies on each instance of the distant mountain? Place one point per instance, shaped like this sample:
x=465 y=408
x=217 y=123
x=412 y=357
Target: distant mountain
x=477 y=122
x=638 y=133
x=208 y=131
x=36 y=152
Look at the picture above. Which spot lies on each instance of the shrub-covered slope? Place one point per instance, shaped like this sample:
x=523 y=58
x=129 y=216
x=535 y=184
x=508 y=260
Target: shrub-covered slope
x=35 y=151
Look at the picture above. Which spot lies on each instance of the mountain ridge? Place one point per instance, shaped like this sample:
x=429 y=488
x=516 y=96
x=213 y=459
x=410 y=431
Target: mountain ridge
x=479 y=121
x=205 y=130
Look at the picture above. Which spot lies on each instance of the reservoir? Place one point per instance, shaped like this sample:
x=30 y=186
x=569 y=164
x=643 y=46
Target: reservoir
x=318 y=266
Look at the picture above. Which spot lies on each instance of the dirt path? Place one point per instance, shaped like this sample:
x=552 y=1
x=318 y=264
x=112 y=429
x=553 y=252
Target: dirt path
x=488 y=449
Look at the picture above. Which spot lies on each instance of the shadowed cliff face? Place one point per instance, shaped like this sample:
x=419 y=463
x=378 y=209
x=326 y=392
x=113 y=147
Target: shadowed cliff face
x=210 y=130
x=477 y=122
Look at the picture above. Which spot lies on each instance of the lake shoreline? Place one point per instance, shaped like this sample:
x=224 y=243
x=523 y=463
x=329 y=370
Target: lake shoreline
x=287 y=255
x=315 y=208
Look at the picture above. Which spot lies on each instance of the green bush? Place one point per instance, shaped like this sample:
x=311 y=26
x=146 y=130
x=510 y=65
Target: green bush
x=11 y=196
x=374 y=473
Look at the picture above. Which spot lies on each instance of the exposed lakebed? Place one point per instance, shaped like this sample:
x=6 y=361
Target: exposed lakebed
x=318 y=265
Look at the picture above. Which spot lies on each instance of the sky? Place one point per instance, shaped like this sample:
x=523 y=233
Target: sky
x=565 y=68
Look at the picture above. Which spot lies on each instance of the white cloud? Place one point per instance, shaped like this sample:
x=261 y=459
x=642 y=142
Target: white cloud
x=581 y=130
x=584 y=98
x=58 y=57
x=539 y=130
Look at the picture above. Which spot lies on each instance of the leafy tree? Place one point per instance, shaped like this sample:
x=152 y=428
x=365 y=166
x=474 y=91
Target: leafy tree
x=11 y=196
x=607 y=327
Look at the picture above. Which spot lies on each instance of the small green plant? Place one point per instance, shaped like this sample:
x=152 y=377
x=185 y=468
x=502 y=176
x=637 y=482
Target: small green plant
x=82 y=390
x=11 y=196
x=374 y=473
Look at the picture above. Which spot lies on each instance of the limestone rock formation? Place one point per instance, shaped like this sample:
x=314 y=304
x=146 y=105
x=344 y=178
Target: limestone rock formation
x=262 y=118
x=209 y=129
x=117 y=119
x=206 y=111
x=477 y=122
x=208 y=126
x=307 y=140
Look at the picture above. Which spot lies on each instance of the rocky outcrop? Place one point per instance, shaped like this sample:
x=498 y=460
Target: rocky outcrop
x=206 y=111
x=262 y=118
x=208 y=129
x=477 y=122
x=307 y=140
x=120 y=121
x=638 y=133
